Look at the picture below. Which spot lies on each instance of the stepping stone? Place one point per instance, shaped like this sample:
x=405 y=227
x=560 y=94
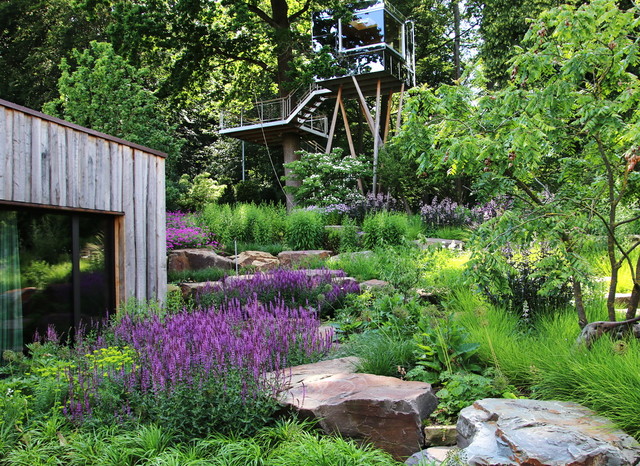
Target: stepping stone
x=386 y=411
x=514 y=432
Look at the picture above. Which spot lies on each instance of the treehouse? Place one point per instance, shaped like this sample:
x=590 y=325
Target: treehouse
x=371 y=45
x=375 y=43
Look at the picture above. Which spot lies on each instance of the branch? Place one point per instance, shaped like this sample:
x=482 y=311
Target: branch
x=525 y=188
x=611 y=234
x=232 y=56
x=262 y=15
x=301 y=12
x=629 y=220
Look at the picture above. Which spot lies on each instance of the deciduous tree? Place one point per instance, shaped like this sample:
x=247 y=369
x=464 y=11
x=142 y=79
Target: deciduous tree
x=563 y=136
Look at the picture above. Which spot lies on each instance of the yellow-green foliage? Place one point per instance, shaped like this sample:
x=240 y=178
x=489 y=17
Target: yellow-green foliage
x=111 y=358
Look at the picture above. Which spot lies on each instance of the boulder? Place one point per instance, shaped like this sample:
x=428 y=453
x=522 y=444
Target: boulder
x=373 y=283
x=531 y=432
x=421 y=458
x=258 y=260
x=431 y=456
x=385 y=411
x=197 y=259
x=445 y=243
x=289 y=258
x=193 y=288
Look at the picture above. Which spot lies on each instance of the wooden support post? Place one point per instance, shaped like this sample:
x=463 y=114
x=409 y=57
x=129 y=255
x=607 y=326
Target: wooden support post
x=333 y=120
x=399 y=117
x=377 y=142
x=387 y=118
x=365 y=109
x=347 y=130
x=352 y=148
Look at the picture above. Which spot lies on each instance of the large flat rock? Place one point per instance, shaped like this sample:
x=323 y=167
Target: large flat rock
x=386 y=411
x=531 y=432
x=291 y=258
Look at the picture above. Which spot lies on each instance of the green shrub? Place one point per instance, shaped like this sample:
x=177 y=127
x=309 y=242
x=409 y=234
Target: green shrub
x=197 y=192
x=349 y=238
x=462 y=389
x=305 y=230
x=248 y=223
x=381 y=308
x=326 y=179
x=443 y=345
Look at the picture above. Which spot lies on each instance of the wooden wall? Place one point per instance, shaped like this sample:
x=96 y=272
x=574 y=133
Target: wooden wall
x=48 y=162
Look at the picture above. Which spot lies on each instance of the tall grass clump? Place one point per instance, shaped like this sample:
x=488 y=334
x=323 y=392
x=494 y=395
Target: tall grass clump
x=248 y=223
x=305 y=230
x=545 y=360
x=382 y=352
x=288 y=442
x=385 y=229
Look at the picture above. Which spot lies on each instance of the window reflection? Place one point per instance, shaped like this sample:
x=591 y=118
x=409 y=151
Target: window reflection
x=55 y=269
x=363 y=30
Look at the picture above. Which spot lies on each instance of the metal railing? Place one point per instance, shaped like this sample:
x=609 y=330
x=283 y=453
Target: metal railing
x=317 y=123
x=267 y=111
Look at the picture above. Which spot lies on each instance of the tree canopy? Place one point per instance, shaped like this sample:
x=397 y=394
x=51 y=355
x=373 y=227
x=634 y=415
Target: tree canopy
x=562 y=136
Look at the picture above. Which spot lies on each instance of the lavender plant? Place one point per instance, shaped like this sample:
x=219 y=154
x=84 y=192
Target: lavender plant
x=213 y=369
x=324 y=290
x=447 y=212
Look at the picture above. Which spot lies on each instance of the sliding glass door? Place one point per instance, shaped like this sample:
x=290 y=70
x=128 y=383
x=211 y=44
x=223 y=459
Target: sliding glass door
x=56 y=269
x=10 y=287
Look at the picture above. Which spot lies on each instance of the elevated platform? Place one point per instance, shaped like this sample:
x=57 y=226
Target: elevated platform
x=270 y=133
x=268 y=121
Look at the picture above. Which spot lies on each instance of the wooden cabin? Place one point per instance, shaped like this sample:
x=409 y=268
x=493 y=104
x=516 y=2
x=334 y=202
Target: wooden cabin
x=82 y=224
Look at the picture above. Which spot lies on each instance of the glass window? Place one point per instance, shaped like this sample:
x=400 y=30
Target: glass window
x=56 y=268
x=393 y=32
x=363 y=30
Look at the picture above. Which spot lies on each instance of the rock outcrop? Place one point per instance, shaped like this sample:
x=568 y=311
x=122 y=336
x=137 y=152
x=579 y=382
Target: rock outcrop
x=196 y=259
x=260 y=261
x=530 y=432
x=386 y=411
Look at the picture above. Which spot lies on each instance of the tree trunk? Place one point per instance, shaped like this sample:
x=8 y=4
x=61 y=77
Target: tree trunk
x=290 y=145
x=635 y=293
x=579 y=303
x=280 y=15
x=456 y=39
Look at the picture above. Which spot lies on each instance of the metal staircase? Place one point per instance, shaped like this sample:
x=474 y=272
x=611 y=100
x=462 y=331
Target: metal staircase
x=268 y=120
